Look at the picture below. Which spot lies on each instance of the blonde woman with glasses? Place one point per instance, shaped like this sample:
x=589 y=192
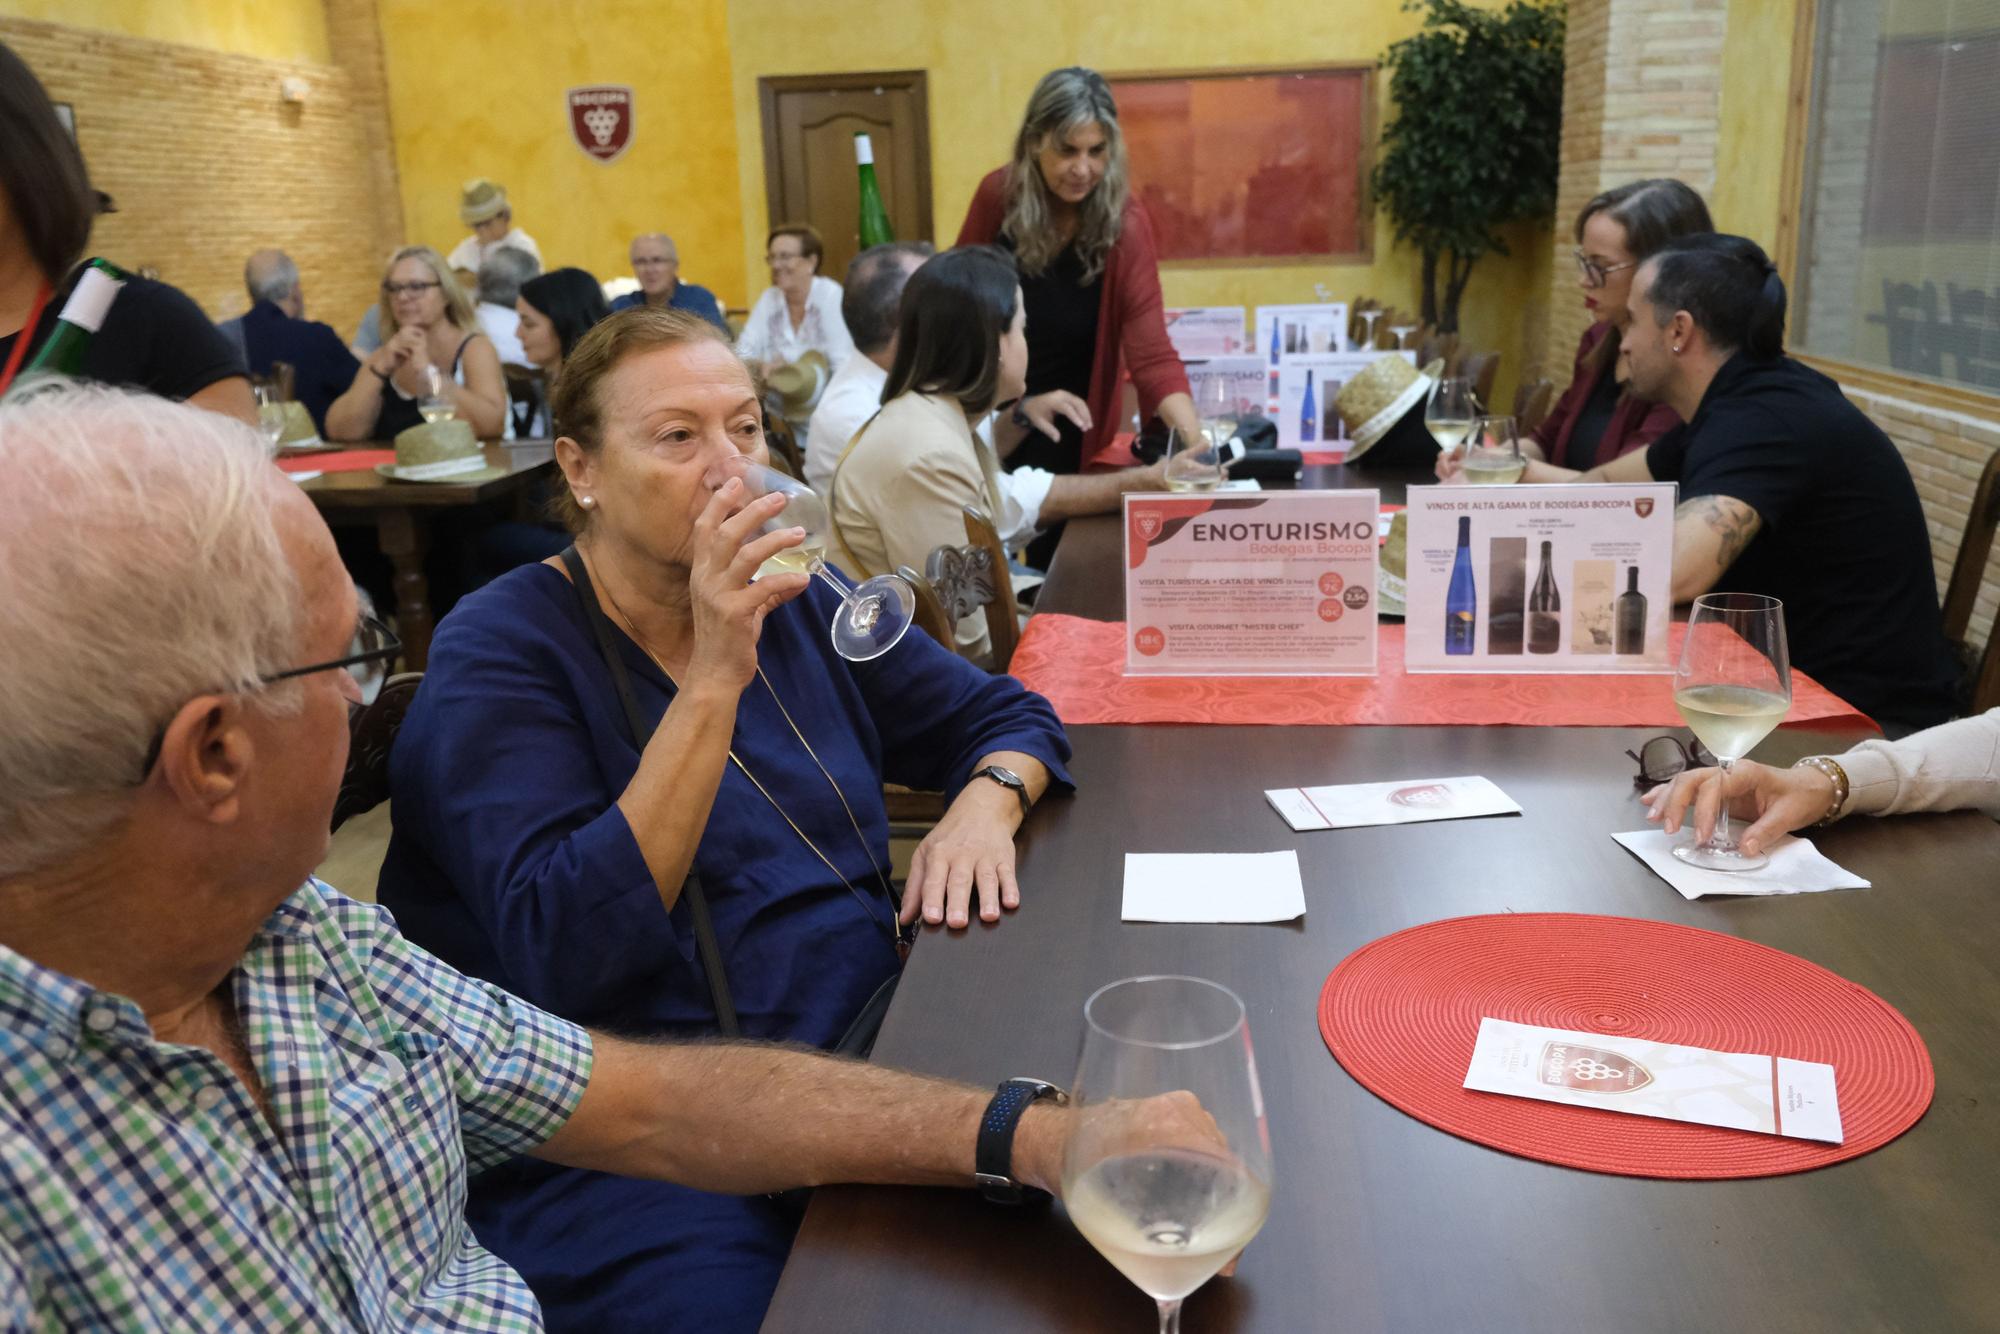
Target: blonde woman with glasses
x=427 y=321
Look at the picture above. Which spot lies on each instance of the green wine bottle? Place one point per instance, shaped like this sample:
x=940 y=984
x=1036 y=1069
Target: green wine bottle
x=82 y=316
x=875 y=229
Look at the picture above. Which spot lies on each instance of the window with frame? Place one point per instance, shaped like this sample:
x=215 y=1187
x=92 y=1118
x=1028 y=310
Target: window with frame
x=1899 y=233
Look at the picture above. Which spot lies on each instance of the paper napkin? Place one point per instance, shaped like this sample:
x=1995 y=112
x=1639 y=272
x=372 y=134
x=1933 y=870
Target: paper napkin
x=1213 y=887
x=1796 y=867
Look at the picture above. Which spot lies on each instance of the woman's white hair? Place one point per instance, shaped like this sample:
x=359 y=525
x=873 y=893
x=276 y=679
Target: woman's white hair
x=140 y=566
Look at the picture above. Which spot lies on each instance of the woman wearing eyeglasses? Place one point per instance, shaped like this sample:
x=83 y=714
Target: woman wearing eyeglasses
x=800 y=311
x=427 y=320
x=1598 y=418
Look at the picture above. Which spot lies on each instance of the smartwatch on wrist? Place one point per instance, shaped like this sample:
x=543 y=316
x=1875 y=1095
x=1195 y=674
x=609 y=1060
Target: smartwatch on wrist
x=1009 y=779
x=993 y=1159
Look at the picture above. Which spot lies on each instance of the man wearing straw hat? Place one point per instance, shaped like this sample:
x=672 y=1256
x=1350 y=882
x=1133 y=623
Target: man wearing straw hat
x=482 y=206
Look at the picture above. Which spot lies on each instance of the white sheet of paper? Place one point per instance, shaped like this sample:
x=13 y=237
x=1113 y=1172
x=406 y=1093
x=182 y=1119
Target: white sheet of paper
x=1772 y=1095
x=1213 y=887
x=1796 y=867
x=1405 y=801
x=1241 y=484
x=303 y=477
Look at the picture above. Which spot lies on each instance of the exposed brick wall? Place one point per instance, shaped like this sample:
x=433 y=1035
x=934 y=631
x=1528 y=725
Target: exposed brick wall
x=207 y=162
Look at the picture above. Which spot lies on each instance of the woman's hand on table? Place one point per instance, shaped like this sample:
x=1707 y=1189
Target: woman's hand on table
x=728 y=608
x=1777 y=801
x=972 y=848
x=1044 y=410
x=1450 y=464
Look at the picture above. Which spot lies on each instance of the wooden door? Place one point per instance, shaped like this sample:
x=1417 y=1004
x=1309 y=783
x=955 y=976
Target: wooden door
x=809 y=170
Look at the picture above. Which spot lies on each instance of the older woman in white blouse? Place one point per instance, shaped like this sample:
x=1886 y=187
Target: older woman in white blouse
x=799 y=311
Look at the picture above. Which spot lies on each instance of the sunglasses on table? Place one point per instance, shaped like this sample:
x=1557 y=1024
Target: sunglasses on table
x=370 y=652
x=1665 y=756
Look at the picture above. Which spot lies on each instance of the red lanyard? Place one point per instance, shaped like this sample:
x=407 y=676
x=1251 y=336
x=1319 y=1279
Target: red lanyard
x=27 y=336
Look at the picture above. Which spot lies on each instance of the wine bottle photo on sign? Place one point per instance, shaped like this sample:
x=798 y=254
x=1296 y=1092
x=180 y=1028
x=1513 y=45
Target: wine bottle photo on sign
x=1545 y=608
x=1308 y=413
x=1461 y=601
x=1630 y=615
x=1507 y=579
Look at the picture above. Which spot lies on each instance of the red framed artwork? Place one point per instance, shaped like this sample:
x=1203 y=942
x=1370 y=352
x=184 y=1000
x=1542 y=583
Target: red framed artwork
x=1241 y=166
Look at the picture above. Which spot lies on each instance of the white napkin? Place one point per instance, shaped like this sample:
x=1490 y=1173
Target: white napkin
x=1796 y=867
x=1404 y=801
x=1213 y=887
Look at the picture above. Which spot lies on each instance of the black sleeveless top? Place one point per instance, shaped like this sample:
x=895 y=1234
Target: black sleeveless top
x=399 y=414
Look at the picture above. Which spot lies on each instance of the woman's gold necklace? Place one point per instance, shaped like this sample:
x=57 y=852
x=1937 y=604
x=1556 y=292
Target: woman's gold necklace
x=881 y=877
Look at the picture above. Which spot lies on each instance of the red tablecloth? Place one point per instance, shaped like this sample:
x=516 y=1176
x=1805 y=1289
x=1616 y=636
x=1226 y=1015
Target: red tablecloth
x=339 y=460
x=1080 y=666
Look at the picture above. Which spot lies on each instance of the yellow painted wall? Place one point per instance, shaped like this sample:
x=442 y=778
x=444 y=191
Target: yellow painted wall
x=269 y=29
x=1752 y=117
x=479 y=91
x=980 y=75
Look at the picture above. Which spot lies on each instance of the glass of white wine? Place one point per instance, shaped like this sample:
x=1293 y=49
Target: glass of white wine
x=1216 y=403
x=1451 y=412
x=270 y=413
x=1168 y=1173
x=1733 y=685
x=1193 y=462
x=874 y=613
x=1493 y=453
x=435 y=403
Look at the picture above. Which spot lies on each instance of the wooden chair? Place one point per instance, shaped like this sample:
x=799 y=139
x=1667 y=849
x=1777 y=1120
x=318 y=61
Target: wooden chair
x=1982 y=671
x=1435 y=346
x=785 y=451
x=527 y=399
x=968 y=578
x=930 y=615
x=373 y=728
x=1532 y=400
x=1481 y=368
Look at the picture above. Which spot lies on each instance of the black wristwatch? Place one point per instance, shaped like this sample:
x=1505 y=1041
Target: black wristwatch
x=993 y=1159
x=1009 y=779
x=1020 y=418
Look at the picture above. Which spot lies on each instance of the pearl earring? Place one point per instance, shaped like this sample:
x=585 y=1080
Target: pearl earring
x=589 y=502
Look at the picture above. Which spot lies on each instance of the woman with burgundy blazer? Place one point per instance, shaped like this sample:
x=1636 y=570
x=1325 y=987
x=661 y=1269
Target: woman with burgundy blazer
x=1597 y=419
x=1089 y=278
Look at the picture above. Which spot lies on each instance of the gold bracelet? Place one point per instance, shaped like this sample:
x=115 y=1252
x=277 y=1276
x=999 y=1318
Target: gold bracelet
x=1838 y=776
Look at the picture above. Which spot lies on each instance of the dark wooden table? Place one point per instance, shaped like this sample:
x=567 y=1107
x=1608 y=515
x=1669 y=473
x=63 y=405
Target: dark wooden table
x=1379 y=1222
x=1086 y=577
x=401 y=513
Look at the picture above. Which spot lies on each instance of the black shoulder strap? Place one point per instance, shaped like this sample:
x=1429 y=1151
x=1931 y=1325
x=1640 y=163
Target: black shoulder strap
x=697 y=901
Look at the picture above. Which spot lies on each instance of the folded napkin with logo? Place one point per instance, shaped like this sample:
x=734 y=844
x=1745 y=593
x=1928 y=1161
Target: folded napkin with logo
x=1796 y=867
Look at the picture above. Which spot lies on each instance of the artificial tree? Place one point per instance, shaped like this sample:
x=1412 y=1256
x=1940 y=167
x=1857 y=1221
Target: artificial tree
x=1476 y=139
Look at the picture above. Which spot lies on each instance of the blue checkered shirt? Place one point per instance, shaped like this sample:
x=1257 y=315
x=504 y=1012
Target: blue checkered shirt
x=142 y=1189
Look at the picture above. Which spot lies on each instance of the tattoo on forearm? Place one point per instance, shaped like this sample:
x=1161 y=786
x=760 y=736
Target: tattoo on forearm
x=1733 y=522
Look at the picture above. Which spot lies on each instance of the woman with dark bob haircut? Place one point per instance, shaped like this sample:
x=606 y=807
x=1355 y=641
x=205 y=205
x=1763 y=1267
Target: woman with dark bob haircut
x=613 y=866
x=153 y=337
x=899 y=489
x=556 y=310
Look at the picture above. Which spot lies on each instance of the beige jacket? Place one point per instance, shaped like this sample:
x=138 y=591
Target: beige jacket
x=1954 y=766
x=899 y=491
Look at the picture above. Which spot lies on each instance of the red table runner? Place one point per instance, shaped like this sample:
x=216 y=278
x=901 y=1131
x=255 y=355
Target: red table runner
x=340 y=460
x=1080 y=666
x=1400 y=1014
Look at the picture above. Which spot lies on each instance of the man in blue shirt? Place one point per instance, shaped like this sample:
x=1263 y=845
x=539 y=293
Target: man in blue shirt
x=276 y=329
x=657 y=266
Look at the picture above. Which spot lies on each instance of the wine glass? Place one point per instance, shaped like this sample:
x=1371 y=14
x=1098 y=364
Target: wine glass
x=1368 y=318
x=1217 y=406
x=1733 y=685
x=1403 y=332
x=1168 y=1173
x=1451 y=411
x=270 y=413
x=1193 y=462
x=435 y=404
x=874 y=613
x=1493 y=452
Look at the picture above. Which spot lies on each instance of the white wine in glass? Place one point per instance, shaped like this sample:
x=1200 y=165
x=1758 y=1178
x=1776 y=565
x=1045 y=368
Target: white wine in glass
x=1733 y=685
x=1193 y=462
x=435 y=404
x=1168 y=1173
x=1451 y=412
x=270 y=413
x=874 y=613
x=1218 y=409
x=1493 y=453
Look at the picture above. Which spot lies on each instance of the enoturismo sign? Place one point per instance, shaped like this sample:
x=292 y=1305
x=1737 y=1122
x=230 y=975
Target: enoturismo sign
x=600 y=120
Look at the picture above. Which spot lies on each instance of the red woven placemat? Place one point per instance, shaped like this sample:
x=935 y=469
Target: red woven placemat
x=1401 y=1013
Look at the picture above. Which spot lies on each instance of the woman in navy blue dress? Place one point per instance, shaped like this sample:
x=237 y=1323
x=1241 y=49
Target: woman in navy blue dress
x=537 y=846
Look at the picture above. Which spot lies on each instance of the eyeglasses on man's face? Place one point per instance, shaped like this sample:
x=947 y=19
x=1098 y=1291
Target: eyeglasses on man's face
x=410 y=289
x=369 y=654
x=1594 y=273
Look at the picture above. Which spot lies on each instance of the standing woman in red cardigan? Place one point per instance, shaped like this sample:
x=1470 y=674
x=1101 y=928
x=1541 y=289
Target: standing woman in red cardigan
x=1090 y=280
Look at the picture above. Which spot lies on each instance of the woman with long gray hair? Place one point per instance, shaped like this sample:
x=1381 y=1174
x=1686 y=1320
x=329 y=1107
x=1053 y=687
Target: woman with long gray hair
x=1089 y=276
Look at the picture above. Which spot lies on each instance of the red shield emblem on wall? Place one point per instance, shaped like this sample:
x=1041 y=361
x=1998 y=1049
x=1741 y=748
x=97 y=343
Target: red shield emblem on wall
x=1644 y=505
x=600 y=120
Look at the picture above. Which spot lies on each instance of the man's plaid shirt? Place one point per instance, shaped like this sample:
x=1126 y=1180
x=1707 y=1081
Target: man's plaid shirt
x=142 y=1189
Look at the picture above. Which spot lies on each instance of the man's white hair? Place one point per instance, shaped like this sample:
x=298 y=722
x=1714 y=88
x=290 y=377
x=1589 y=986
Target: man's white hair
x=140 y=566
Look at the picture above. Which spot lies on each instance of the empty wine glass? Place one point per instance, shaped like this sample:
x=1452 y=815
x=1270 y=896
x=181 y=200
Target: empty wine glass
x=1368 y=318
x=1451 y=412
x=1168 y=1173
x=1193 y=462
x=1218 y=408
x=1733 y=685
x=1493 y=452
x=1403 y=332
x=435 y=404
x=270 y=413
x=874 y=613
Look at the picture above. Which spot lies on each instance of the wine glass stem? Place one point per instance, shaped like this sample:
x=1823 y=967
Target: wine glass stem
x=1721 y=838
x=823 y=572
x=1170 y=1316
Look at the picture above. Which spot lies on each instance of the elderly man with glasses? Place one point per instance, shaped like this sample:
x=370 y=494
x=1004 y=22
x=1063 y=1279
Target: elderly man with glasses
x=230 y=1097
x=656 y=263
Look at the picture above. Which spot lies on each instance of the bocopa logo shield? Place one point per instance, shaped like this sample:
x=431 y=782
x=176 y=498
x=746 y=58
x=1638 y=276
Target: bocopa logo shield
x=1644 y=505
x=600 y=120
